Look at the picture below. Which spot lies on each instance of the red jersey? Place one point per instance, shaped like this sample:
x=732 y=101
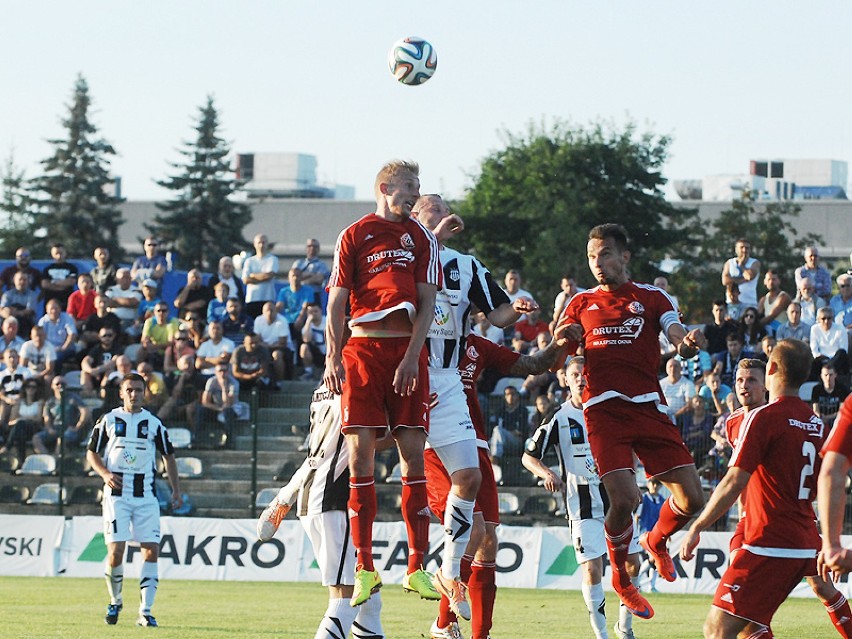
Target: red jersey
x=529 y=332
x=80 y=306
x=620 y=335
x=778 y=445
x=733 y=425
x=840 y=438
x=480 y=354
x=381 y=263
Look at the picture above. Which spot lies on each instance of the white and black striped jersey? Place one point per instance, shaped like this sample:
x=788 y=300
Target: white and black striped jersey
x=585 y=497
x=466 y=282
x=128 y=444
x=322 y=482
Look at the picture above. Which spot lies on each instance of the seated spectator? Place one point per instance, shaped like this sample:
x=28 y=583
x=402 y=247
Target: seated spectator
x=157 y=333
x=124 y=301
x=111 y=381
x=816 y=272
x=70 y=424
x=795 y=328
x=535 y=385
x=195 y=296
x=568 y=289
x=61 y=331
x=518 y=344
x=767 y=345
x=697 y=425
x=101 y=318
x=828 y=395
x=215 y=350
x=149 y=301
x=218 y=401
x=717 y=331
x=99 y=361
x=293 y=303
x=25 y=420
x=196 y=327
x=180 y=346
x=544 y=409
x=274 y=333
x=81 y=303
x=678 y=392
x=530 y=326
x=772 y=306
x=313 y=271
x=39 y=356
x=216 y=307
x=9 y=337
x=725 y=364
x=829 y=343
x=715 y=394
x=184 y=388
x=734 y=309
x=226 y=276
x=59 y=277
x=104 y=273
x=751 y=331
x=510 y=431
x=312 y=350
x=21 y=265
x=841 y=303
x=694 y=368
x=558 y=391
x=236 y=324
x=484 y=328
x=809 y=301
x=20 y=302
x=251 y=364
x=12 y=379
x=155 y=387
x=151 y=265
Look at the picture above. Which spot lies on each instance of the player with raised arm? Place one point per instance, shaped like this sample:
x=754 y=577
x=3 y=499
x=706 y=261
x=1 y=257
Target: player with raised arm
x=585 y=502
x=320 y=490
x=386 y=266
x=618 y=323
x=836 y=454
x=452 y=439
x=776 y=456
x=122 y=450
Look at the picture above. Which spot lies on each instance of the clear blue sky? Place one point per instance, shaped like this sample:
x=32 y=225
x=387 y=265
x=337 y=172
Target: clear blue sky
x=729 y=81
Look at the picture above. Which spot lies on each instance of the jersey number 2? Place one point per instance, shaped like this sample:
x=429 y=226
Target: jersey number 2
x=809 y=452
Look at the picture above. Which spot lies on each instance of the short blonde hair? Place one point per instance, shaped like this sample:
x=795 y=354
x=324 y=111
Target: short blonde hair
x=392 y=169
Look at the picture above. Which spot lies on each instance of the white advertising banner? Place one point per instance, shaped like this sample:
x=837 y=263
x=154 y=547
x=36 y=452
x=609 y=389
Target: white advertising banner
x=28 y=544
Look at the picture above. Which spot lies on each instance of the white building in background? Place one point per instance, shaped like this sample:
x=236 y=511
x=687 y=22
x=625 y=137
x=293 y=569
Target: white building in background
x=285 y=175
x=772 y=180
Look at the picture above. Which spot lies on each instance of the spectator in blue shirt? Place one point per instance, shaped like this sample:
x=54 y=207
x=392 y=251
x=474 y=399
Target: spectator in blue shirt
x=151 y=265
x=236 y=324
x=59 y=330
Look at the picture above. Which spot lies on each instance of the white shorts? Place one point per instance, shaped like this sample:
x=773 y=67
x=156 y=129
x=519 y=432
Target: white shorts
x=449 y=421
x=332 y=544
x=458 y=456
x=131 y=519
x=590 y=539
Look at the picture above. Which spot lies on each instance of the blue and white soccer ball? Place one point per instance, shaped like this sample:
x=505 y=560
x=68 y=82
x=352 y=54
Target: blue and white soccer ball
x=412 y=60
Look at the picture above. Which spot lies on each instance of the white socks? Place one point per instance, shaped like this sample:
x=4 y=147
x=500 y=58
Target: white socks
x=363 y=621
x=593 y=594
x=114 y=581
x=368 y=623
x=458 y=521
x=148 y=582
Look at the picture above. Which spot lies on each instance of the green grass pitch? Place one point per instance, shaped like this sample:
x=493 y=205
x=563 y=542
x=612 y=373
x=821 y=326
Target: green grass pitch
x=60 y=608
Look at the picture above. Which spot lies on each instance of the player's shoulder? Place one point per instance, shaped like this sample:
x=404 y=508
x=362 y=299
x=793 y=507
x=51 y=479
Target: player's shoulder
x=568 y=412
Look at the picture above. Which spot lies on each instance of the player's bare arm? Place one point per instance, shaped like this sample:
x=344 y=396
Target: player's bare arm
x=507 y=314
x=831 y=496
x=722 y=499
x=552 y=481
x=111 y=479
x=334 y=327
x=448 y=227
x=539 y=362
x=405 y=378
x=174 y=481
x=686 y=343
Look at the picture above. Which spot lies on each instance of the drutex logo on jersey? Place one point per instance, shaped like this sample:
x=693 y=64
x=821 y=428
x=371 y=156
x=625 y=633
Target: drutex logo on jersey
x=622 y=334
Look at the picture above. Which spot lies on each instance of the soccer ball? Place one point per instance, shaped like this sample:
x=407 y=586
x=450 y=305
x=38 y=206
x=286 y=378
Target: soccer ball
x=412 y=60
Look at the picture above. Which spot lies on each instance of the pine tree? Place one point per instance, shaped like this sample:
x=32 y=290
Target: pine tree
x=17 y=219
x=72 y=203
x=202 y=223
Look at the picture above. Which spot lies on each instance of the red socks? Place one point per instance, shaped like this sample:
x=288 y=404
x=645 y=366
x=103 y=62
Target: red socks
x=617 y=545
x=415 y=512
x=482 y=590
x=840 y=614
x=671 y=520
x=362 y=514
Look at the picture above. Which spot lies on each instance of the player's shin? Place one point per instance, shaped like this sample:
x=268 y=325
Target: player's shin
x=672 y=518
x=618 y=544
x=593 y=595
x=482 y=590
x=148 y=582
x=114 y=576
x=415 y=512
x=458 y=521
x=362 y=513
x=839 y=612
x=368 y=623
x=337 y=620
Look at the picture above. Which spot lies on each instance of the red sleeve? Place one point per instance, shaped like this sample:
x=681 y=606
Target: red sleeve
x=840 y=438
x=497 y=357
x=343 y=268
x=751 y=448
x=427 y=263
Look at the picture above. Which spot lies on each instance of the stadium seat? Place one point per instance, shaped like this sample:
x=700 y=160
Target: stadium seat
x=13 y=494
x=502 y=383
x=540 y=505
x=498 y=474
x=189 y=467
x=380 y=472
x=38 y=464
x=209 y=438
x=286 y=471
x=73 y=466
x=180 y=437
x=395 y=476
x=264 y=497
x=389 y=502
x=93 y=403
x=85 y=495
x=72 y=380
x=46 y=495
x=806 y=391
x=508 y=504
x=8 y=465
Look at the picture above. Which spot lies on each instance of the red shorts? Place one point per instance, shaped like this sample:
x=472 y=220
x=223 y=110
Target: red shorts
x=368 y=399
x=754 y=586
x=736 y=542
x=618 y=428
x=438 y=487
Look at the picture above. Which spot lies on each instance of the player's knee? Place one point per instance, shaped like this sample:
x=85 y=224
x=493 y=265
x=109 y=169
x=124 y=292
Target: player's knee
x=592 y=571
x=822 y=589
x=467 y=482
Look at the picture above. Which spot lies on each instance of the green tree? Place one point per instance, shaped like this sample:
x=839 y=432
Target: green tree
x=202 y=223
x=771 y=229
x=533 y=202
x=17 y=219
x=72 y=198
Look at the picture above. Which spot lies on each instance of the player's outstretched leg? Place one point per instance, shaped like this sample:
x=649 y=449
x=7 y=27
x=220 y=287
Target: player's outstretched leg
x=483 y=593
x=415 y=512
x=618 y=545
x=271 y=517
x=362 y=513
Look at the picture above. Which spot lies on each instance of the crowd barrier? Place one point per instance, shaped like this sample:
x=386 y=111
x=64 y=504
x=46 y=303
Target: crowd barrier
x=227 y=549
